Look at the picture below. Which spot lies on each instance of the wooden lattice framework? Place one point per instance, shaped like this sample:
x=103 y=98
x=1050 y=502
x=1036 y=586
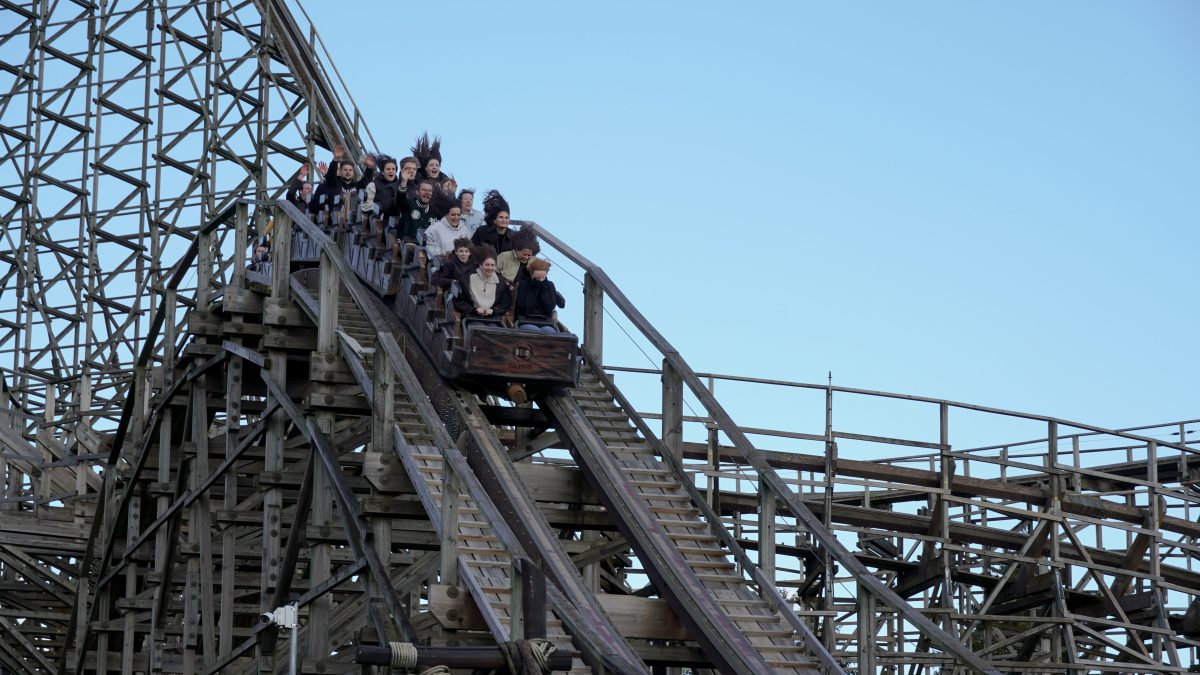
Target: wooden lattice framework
x=185 y=445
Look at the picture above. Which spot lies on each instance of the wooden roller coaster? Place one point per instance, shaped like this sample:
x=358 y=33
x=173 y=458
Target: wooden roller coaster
x=185 y=460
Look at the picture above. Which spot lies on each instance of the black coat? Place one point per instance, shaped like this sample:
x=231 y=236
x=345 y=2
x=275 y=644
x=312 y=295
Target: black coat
x=452 y=270
x=388 y=196
x=537 y=299
x=333 y=185
x=487 y=234
x=293 y=194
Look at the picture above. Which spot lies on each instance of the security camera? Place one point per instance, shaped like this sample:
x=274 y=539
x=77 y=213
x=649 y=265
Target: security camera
x=266 y=618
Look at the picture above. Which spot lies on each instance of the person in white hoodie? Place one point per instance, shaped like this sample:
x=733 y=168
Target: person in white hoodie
x=439 y=238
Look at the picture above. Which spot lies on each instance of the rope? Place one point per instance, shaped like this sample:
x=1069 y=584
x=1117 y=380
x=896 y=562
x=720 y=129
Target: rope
x=436 y=670
x=404 y=656
x=511 y=656
x=541 y=650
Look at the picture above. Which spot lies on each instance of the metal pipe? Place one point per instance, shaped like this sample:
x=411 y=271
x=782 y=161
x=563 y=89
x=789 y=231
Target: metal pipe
x=294 y=650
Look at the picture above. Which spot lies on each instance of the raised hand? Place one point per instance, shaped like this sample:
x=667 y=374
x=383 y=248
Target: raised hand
x=339 y=152
x=369 y=161
x=322 y=167
x=303 y=171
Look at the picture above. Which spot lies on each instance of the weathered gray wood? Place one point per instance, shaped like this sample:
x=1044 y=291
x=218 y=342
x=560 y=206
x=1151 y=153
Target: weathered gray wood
x=672 y=410
x=593 y=317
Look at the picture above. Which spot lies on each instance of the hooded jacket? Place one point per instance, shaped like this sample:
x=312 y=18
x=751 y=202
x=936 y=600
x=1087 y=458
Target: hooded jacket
x=439 y=238
x=537 y=299
x=452 y=269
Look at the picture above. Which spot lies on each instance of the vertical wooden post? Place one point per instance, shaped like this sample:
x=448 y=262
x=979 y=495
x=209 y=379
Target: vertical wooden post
x=593 y=318
x=200 y=521
x=322 y=505
x=328 y=318
x=233 y=424
x=1055 y=482
x=133 y=524
x=275 y=456
x=533 y=602
x=945 y=482
x=516 y=601
x=672 y=410
x=281 y=257
x=866 y=629
x=241 y=242
x=828 y=632
x=229 y=536
x=713 y=449
x=1155 y=561
x=766 y=533
x=161 y=489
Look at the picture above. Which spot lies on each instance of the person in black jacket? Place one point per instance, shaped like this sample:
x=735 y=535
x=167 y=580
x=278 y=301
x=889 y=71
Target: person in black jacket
x=456 y=265
x=537 y=298
x=339 y=177
x=300 y=191
x=494 y=231
x=385 y=191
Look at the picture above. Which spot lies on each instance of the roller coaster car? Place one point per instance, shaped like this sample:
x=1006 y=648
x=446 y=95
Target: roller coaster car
x=494 y=357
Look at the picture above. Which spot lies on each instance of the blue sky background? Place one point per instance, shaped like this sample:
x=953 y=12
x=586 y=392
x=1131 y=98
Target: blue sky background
x=995 y=203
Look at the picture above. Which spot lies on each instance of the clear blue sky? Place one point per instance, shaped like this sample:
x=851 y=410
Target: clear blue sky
x=996 y=203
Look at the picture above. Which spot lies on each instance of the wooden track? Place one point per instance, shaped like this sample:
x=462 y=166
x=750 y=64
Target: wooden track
x=661 y=511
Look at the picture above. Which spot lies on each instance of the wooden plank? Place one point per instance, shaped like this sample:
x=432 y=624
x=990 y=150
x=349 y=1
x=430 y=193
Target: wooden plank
x=634 y=617
x=528 y=355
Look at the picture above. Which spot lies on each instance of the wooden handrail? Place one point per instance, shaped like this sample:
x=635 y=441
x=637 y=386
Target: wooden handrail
x=766 y=473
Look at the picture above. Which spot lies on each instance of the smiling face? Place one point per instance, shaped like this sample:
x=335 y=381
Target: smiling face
x=502 y=221
x=524 y=255
x=454 y=215
x=488 y=266
x=463 y=253
x=425 y=193
x=433 y=168
x=306 y=191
